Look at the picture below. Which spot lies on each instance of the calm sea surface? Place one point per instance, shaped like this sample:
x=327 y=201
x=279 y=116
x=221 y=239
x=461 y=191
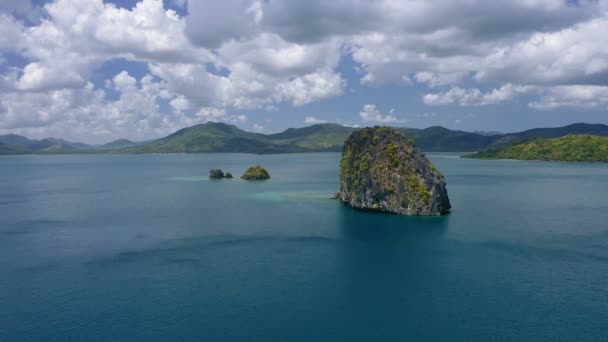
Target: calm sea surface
x=146 y=248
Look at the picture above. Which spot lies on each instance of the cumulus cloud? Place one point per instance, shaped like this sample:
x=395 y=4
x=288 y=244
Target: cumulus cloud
x=87 y=114
x=77 y=37
x=311 y=87
x=570 y=56
x=212 y=23
x=257 y=128
x=313 y=120
x=371 y=114
x=227 y=57
x=316 y=20
x=180 y=104
x=577 y=96
x=476 y=97
x=449 y=40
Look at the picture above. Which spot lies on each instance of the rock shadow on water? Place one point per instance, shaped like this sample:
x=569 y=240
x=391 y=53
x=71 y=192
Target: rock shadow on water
x=382 y=228
x=387 y=256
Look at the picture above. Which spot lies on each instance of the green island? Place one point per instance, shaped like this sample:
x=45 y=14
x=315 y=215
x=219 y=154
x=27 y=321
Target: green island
x=573 y=147
x=255 y=173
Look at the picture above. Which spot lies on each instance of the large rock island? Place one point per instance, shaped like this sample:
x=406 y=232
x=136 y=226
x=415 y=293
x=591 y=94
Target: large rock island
x=382 y=170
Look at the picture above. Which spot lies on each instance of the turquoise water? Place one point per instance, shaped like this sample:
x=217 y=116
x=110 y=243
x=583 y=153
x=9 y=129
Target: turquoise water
x=146 y=248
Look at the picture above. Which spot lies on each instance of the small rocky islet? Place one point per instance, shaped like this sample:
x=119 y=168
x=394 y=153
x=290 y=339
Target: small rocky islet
x=381 y=170
x=216 y=174
x=219 y=174
x=253 y=173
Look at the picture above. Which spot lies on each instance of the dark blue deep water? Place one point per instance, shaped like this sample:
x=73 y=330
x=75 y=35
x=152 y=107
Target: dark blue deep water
x=146 y=248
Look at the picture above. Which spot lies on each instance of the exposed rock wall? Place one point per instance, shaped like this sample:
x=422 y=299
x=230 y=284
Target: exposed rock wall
x=382 y=170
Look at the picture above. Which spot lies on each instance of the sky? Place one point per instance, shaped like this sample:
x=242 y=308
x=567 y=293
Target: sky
x=95 y=71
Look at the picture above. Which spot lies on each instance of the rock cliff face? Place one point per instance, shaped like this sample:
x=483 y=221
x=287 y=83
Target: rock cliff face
x=382 y=170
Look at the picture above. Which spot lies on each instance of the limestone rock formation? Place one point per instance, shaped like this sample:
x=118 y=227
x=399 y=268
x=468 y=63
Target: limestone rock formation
x=382 y=170
x=255 y=173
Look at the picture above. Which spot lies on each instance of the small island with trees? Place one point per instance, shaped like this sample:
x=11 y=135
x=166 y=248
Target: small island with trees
x=255 y=173
x=573 y=147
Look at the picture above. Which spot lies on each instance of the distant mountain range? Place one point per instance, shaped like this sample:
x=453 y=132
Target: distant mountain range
x=221 y=137
x=17 y=144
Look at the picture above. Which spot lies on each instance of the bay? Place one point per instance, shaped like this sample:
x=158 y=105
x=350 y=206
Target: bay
x=146 y=247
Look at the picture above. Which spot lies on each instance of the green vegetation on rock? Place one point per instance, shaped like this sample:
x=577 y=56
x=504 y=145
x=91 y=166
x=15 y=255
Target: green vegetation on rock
x=255 y=173
x=576 y=147
x=382 y=170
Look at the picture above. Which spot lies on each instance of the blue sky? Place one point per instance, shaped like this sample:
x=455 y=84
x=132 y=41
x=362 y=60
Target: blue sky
x=95 y=71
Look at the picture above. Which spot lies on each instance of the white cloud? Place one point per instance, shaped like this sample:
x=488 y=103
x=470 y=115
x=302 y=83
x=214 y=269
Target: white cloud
x=207 y=114
x=236 y=55
x=475 y=97
x=193 y=82
x=212 y=23
x=180 y=104
x=313 y=120
x=577 y=96
x=312 y=87
x=77 y=37
x=442 y=42
x=257 y=128
x=552 y=97
x=240 y=118
x=270 y=55
x=371 y=114
x=211 y=114
x=86 y=113
x=574 y=55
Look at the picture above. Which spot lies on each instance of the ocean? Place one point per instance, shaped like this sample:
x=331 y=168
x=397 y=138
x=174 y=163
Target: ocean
x=147 y=248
